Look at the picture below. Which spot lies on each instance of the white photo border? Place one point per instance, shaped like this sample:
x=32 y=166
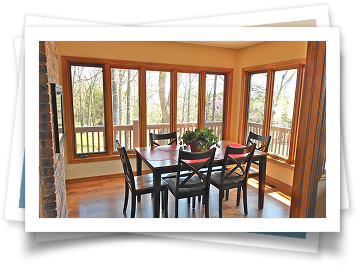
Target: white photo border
x=35 y=224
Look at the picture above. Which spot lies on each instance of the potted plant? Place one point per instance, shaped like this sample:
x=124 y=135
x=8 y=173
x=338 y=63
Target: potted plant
x=198 y=140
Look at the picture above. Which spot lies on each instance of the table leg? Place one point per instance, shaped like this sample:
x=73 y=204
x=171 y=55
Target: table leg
x=157 y=187
x=262 y=174
x=138 y=164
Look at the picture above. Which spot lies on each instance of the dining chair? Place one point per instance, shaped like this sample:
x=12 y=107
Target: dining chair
x=262 y=144
x=138 y=185
x=236 y=176
x=190 y=180
x=154 y=137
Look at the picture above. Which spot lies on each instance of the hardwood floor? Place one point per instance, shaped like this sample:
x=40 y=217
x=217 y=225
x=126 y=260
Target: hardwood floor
x=105 y=199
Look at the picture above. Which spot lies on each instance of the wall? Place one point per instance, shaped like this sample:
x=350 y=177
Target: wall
x=186 y=54
x=52 y=169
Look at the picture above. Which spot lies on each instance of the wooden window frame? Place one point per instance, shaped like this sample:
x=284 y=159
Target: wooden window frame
x=142 y=67
x=270 y=69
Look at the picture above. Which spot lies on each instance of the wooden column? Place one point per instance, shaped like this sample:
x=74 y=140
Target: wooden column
x=201 y=100
x=142 y=104
x=173 y=101
x=311 y=144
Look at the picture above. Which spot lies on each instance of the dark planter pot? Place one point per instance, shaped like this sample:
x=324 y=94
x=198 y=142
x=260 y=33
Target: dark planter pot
x=195 y=147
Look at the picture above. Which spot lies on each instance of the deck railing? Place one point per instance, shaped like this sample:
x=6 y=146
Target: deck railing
x=280 y=138
x=91 y=139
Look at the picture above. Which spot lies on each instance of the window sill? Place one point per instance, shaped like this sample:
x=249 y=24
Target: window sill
x=280 y=162
x=100 y=157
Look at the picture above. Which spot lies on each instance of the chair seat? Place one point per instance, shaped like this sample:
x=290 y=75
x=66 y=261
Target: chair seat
x=171 y=181
x=216 y=179
x=145 y=182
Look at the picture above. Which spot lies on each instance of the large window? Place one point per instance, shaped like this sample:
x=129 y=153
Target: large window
x=125 y=102
x=108 y=101
x=157 y=103
x=187 y=102
x=88 y=109
x=214 y=103
x=273 y=105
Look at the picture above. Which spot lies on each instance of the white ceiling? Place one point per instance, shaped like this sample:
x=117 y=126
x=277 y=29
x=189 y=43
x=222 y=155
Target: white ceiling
x=226 y=44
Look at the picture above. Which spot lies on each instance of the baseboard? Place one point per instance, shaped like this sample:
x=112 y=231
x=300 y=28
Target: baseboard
x=101 y=177
x=285 y=188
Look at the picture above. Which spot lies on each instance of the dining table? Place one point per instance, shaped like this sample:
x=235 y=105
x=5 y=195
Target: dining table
x=163 y=159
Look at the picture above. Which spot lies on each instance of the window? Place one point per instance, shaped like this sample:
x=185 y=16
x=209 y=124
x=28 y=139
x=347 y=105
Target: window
x=187 y=102
x=158 y=103
x=88 y=109
x=125 y=102
x=282 y=111
x=214 y=103
x=109 y=100
x=273 y=93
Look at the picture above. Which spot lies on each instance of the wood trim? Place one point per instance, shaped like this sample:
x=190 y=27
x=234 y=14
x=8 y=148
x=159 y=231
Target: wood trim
x=268 y=102
x=201 y=100
x=227 y=120
x=173 y=101
x=148 y=65
x=271 y=68
x=311 y=144
x=245 y=89
x=285 y=65
x=296 y=114
x=102 y=177
x=68 y=109
x=142 y=108
x=141 y=67
x=108 y=108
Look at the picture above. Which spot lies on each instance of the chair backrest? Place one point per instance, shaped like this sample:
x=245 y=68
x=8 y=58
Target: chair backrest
x=238 y=167
x=128 y=172
x=263 y=141
x=194 y=164
x=154 y=137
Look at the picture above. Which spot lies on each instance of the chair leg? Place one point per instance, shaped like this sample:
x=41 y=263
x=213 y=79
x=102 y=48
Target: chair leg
x=126 y=196
x=166 y=195
x=189 y=200
x=139 y=198
x=220 y=203
x=133 y=205
x=207 y=207
x=245 y=203
x=227 y=195
x=193 y=202
x=176 y=208
x=199 y=198
x=238 y=195
x=162 y=201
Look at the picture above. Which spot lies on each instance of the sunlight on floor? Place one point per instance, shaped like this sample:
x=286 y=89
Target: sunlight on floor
x=281 y=197
x=275 y=194
x=255 y=184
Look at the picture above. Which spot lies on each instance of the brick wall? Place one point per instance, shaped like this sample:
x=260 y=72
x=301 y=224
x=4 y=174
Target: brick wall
x=53 y=200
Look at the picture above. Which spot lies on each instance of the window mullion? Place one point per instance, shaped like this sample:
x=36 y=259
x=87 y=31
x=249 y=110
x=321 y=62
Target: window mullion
x=108 y=108
x=173 y=101
x=268 y=102
x=201 y=100
x=142 y=106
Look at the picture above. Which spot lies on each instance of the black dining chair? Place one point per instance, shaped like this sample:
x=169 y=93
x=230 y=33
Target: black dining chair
x=262 y=144
x=138 y=185
x=192 y=178
x=155 y=137
x=236 y=176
